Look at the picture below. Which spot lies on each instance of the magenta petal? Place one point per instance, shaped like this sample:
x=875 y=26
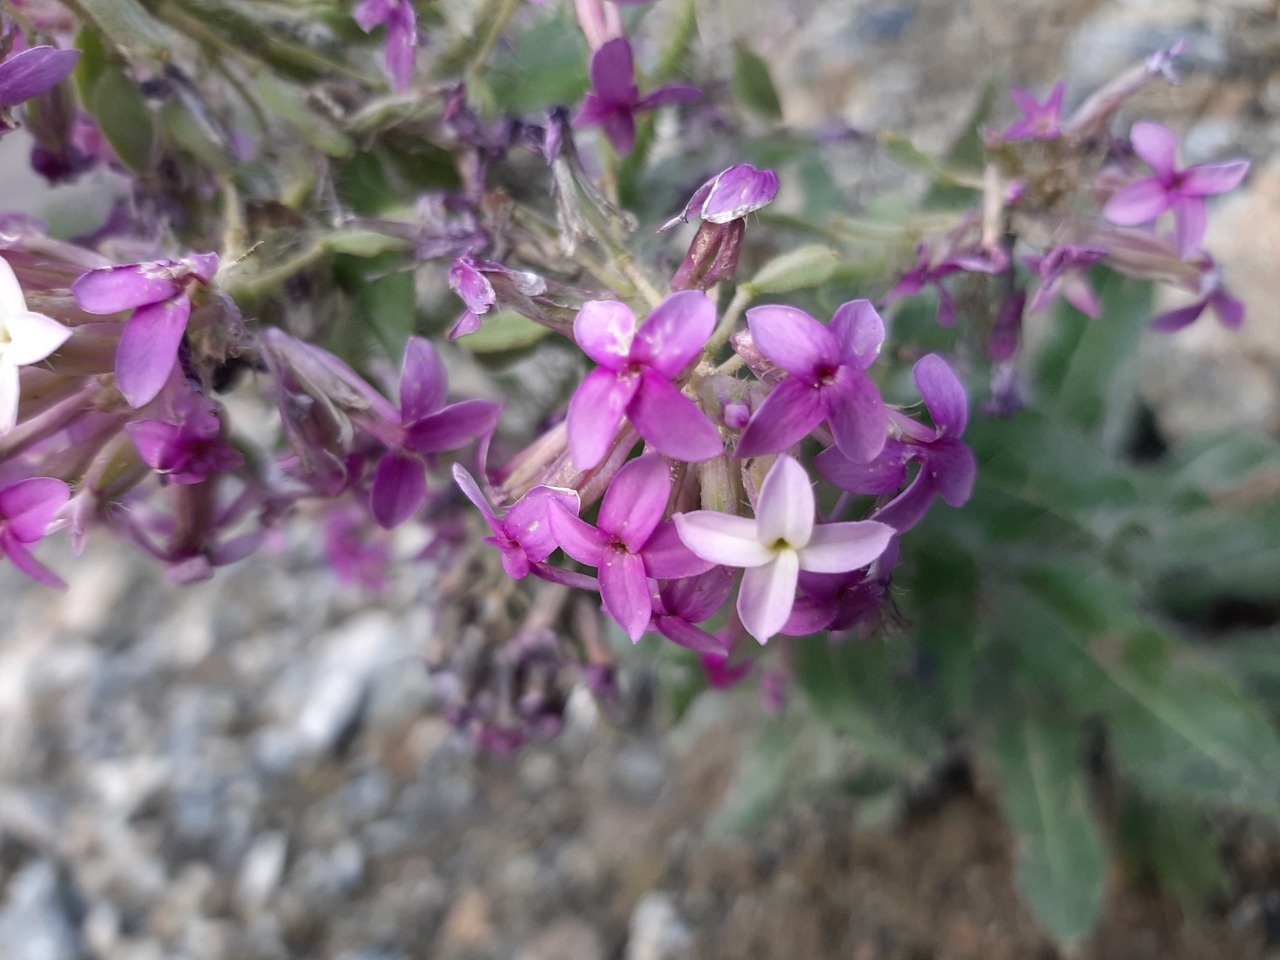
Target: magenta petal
x=953 y=468
x=424 y=385
x=856 y=414
x=29 y=506
x=685 y=634
x=613 y=73
x=1210 y=178
x=885 y=474
x=793 y=340
x=370 y=13
x=1137 y=203
x=24 y=561
x=636 y=501
x=697 y=598
x=113 y=289
x=471 y=285
x=149 y=348
x=454 y=426
x=909 y=507
x=1189 y=225
x=528 y=521
x=695 y=204
x=669 y=96
x=620 y=128
x=402 y=39
x=157 y=442
x=604 y=330
x=595 y=413
x=624 y=588
x=1158 y=146
x=859 y=332
x=1175 y=320
x=675 y=332
x=672 y=423
x=578 y=538
x=667 y=558
x=1229 y=310
x=472 y=491
x=943 y=394
x=466 y=324
x=399 y=490
x=783 y=420
x=33 y=71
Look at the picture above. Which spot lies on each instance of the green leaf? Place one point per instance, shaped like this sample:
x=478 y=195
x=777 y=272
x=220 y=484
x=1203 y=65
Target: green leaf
x=903 y=152
x=545 y=65
x=502 y=331
x=362 y=243
x=387 y=305
x=92 y=62
x=1061 y=870
x=799 y=269
x=758 y=783
x=752 y=84
x=129 y=28
x=122 y=113
x=289 y=103
x=1175 y=845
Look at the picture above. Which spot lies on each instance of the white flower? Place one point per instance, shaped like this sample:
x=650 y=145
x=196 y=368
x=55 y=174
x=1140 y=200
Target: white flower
x=25 y=338
x=781 y=541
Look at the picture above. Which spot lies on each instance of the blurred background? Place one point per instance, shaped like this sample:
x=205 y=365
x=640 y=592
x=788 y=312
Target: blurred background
x=259 y=767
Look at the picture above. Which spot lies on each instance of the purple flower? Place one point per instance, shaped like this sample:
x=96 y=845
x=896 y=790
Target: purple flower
x=838 y=601
x=781 y=541
x=32 y=72
x=630 y=542
x=1172 y=188
x=1213 y=296
x=722 y=203
x=402 y=35
x=189 y=450
x=827 y=380
x=426 y=427
x=523 y=534
x=682 y=603
x=616 y=99
x=476 y=292
x=947 y=466
x=27 y=511
x=1064 y=271
x=25 y=338
x=932 y=268
x=158 y=292
x=358 y=552
x=634 y=379
x=1040 y=121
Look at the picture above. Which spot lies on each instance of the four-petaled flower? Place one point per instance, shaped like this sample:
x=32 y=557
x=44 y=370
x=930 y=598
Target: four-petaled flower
x=947 y=466
x=616 y=99
x=781 y=541
x=1064 y=271
x=426 y=426
x=189 y=450
x=1179 y=190
x=827 y=380
x=27 y=510
x=523 y=533
x=402 y=35
x=476 y=292
x=634 y=378
x=1040 y=121
x=159 y=294
x=25 y=338
x=630 y=542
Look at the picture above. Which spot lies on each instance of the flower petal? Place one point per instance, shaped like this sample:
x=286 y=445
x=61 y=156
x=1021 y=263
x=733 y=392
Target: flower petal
x=528 y=521
x=737 y=192
x=784 y=419
x=1210 y=178
x=784 y=509
x=1158 y=146
x=859 y=332
x=668 y=96
x=909 y=507
x=402 y=40
x=674 y=333
x=472 y=491
x=576 y=537
x=30 y=506
x=604 y=330
x=856 y=413
x=884 y=474
x=685 y=634
x=613 y=73
x=10 y=393
x=841 y=547
x=1189 y=225
x=667 y=558
x=12 y=299
x=672 y=423
x=24 y=561
x=943 y=394
x=454 y=426
x=33 y=71
x=636 y=500
x=1137 y=203
x=1178 y=318
x=595 y=413
x=954 y=469
x=624 y=588
x=793 y=340
x=113 y=289
x=696 y=599
x=424 y=385
x=767 y=595
x=33 y=336
x=149 y=348
x=399 y=490
x=722 y=538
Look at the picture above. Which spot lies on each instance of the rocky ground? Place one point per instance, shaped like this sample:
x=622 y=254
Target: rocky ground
x=257 y=767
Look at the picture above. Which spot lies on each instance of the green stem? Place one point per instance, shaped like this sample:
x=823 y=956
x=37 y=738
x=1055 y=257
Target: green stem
x=260 y=284
x=742 y=298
